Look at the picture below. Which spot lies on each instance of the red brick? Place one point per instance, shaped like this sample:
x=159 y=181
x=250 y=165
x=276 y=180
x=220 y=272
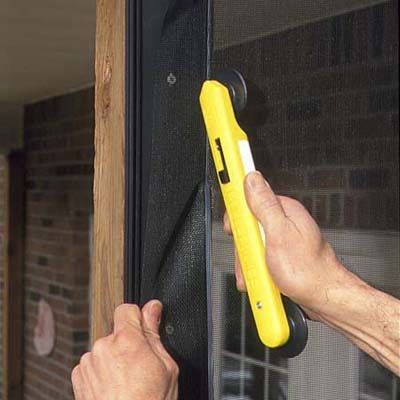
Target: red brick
x=59 y=144
x=326 y=179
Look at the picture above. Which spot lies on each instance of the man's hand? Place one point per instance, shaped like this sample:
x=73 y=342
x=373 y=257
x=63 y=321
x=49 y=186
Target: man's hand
x=131 y=363
x=299 y=259
x=304 y=267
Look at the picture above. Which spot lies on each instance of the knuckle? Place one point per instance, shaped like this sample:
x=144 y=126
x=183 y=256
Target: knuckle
x=240 y=286
x=227 y=225
x=171 y=366
x=100 y=346
x=170 y=363
x=175 y=370
x=75 y=374
x=85 y=360
x=122 y=338
x=127 y=338
x=127 y=309
x=151 y=335
x=127 y=315
x=269 y=202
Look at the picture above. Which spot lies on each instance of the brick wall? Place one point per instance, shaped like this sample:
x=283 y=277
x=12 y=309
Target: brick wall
x=59 y=174
x=326 y=127
x=3 y=194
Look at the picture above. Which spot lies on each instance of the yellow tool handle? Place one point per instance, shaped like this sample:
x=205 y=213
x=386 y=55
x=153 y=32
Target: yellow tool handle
x=233 y=161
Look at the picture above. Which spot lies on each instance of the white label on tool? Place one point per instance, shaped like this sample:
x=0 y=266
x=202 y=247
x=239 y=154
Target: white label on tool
x=248 y=165
x=247 y=158
x=262 y=232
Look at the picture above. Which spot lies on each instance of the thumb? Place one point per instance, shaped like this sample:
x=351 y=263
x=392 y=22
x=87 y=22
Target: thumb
x=151 y=312
x=263 y=202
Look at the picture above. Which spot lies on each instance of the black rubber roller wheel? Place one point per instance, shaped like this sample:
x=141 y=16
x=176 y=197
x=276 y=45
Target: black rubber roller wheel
x=298 y=330
x=236 y=85
x=249 y=102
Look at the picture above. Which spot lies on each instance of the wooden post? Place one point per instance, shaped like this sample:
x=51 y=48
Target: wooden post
x=13 y=304
x=108 y=262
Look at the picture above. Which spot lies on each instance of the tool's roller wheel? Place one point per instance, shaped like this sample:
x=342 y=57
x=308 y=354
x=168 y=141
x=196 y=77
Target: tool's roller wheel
x=236 y=85
x=298 y=330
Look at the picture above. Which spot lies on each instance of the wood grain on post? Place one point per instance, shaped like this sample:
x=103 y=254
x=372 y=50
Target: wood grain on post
x=108 y=261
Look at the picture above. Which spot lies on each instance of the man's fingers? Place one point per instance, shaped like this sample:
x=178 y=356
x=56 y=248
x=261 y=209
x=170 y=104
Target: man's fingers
x=127 y=315
x=240 y=283
x=77 y=383
x=263 y=202
x=86 y=370
x=227 y=224
x=151 y=312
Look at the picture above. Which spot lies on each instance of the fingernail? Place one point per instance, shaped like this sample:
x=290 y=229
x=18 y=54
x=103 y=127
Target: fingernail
x=155 y=311
x=266 y=183
x=254 y=180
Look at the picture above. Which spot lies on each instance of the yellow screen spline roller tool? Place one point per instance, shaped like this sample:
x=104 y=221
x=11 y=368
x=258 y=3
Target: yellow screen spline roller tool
x=280 y=323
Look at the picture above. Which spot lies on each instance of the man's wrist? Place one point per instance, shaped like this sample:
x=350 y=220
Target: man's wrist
x=339 y=298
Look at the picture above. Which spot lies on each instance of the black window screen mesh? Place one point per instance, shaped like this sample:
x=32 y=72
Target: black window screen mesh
x=326 y=132
x=172 y=183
